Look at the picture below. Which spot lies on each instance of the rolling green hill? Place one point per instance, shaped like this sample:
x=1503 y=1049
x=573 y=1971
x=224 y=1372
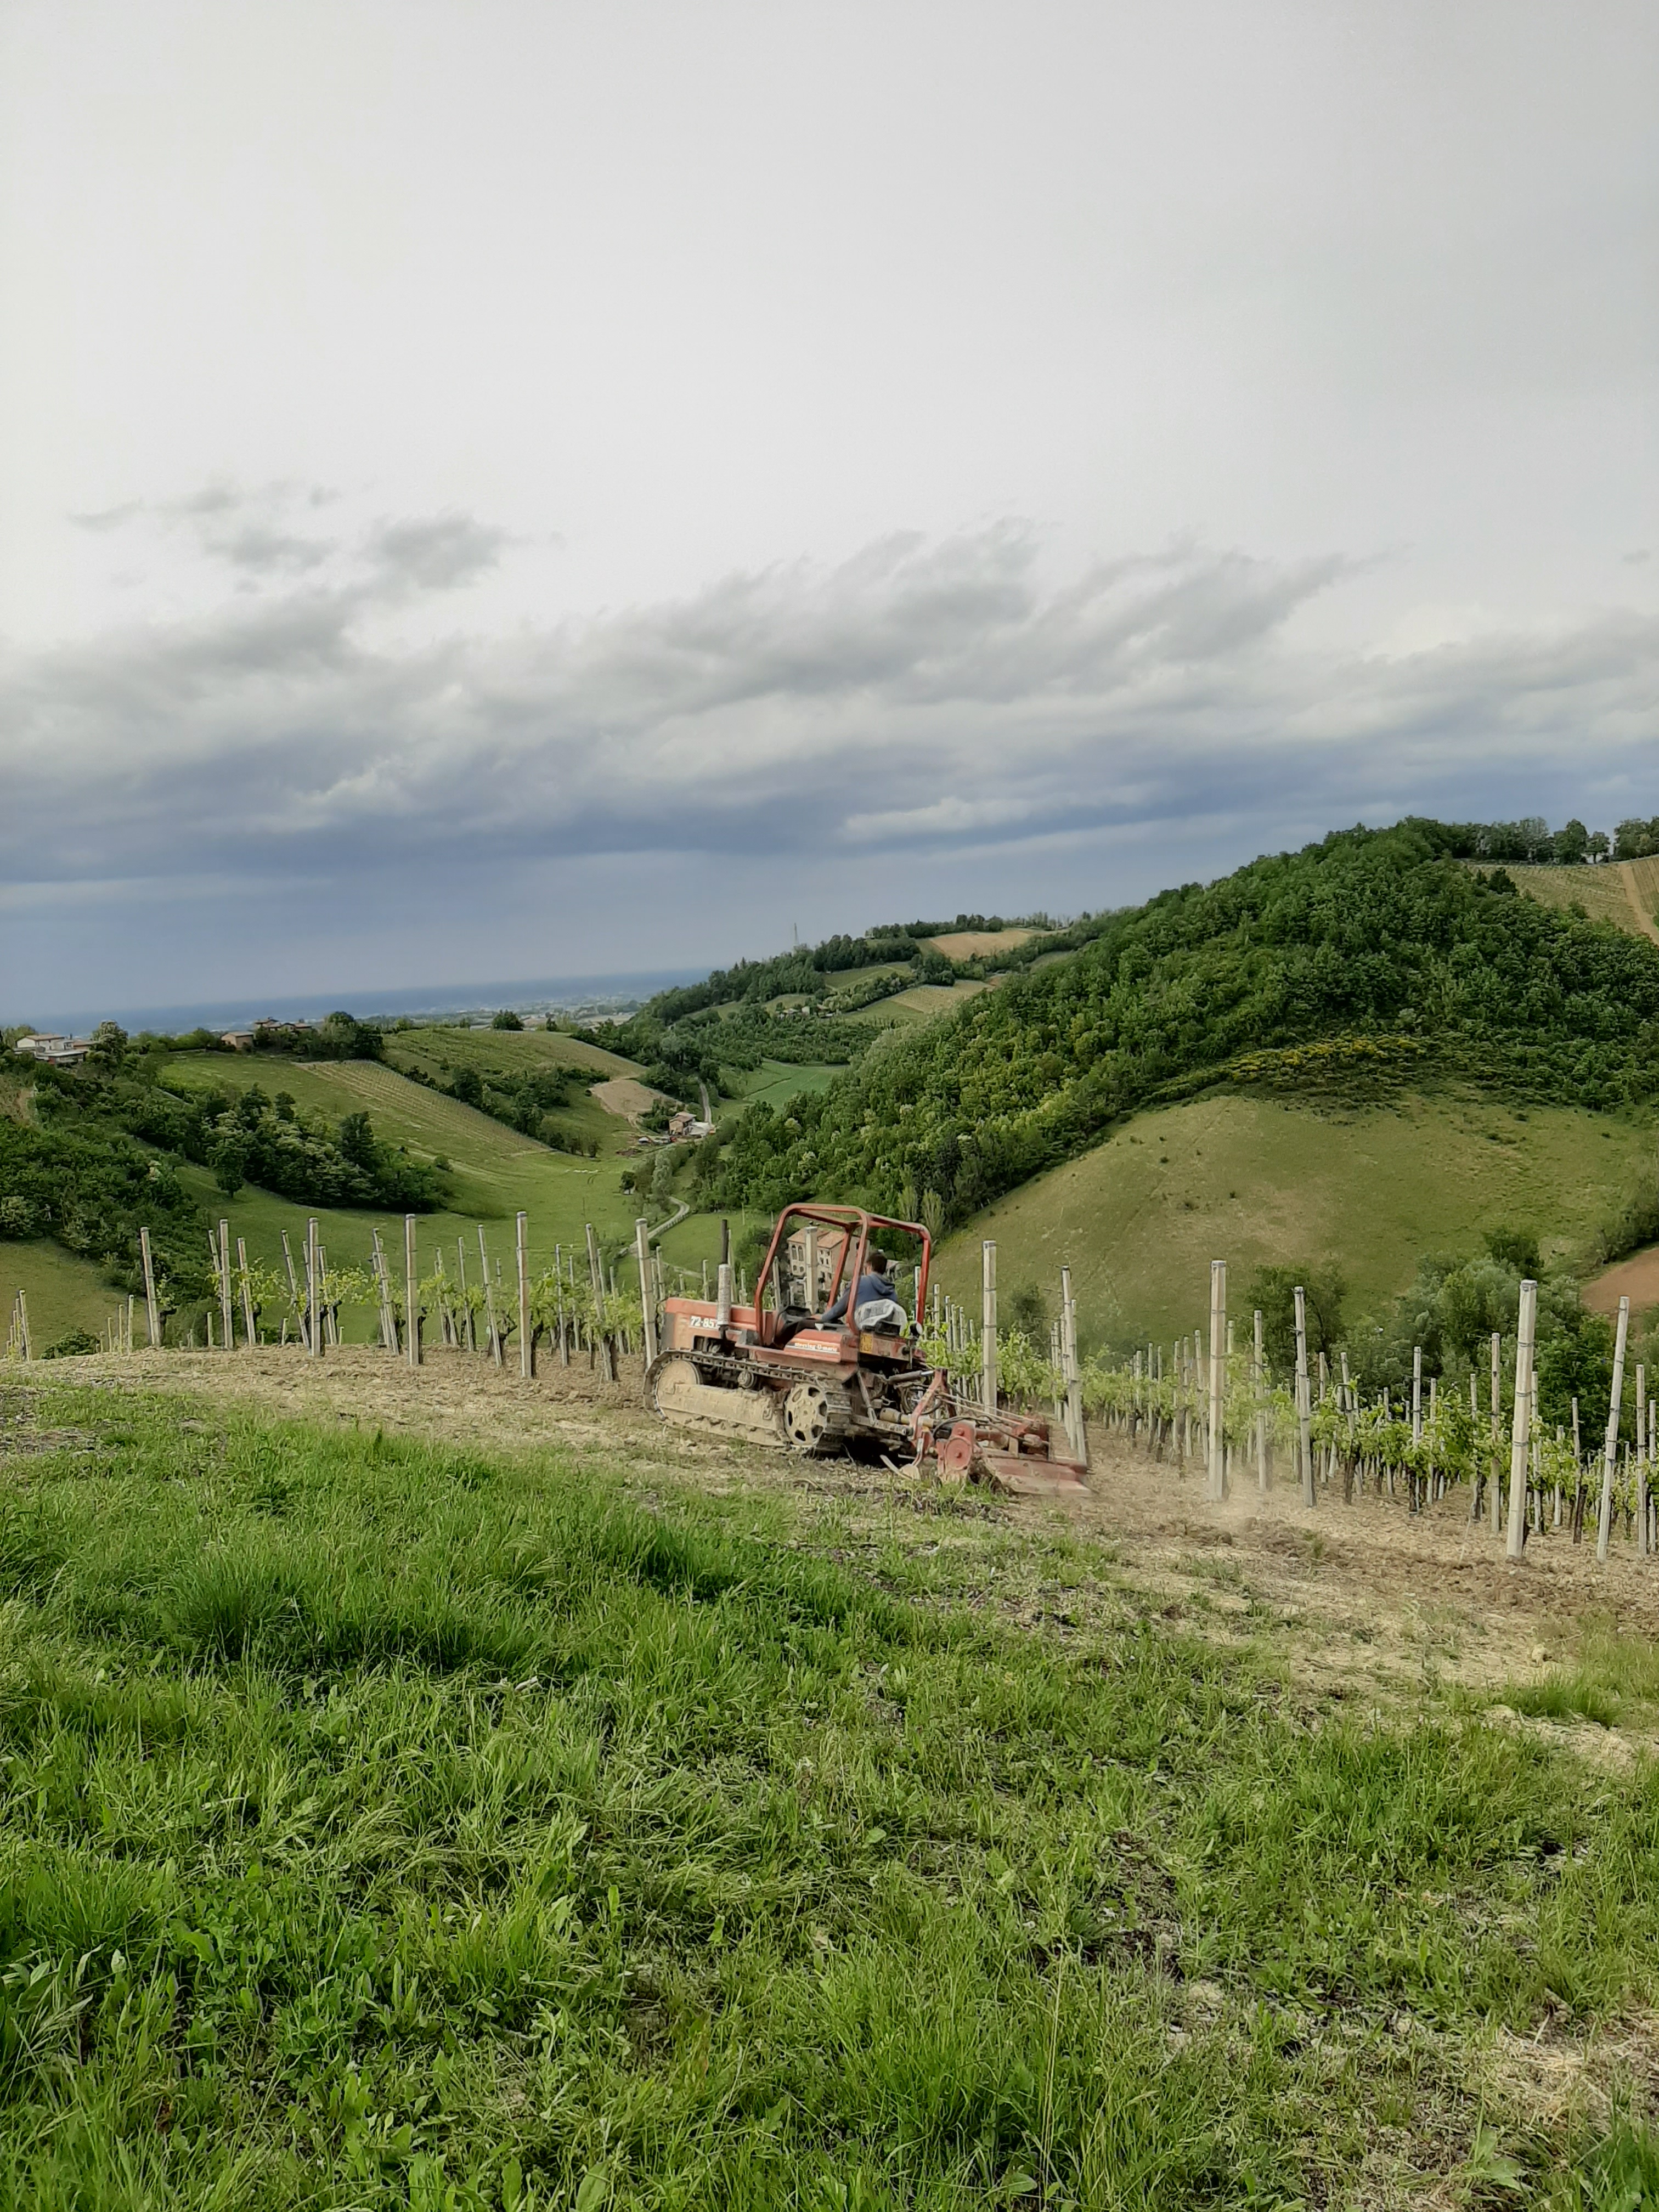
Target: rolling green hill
x=490 y=1171
x=501 y=1059
x=1360 y=968
x=1258 y=1180
x=1343 y=1021
x=64 y=1293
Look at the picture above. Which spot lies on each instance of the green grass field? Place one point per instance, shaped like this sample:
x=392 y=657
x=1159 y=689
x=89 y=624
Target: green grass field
x=921 y=1002
x=494 y=1172
x=436 y=1048
x=408 y=1113
x=65 y=1293
x=439 y=1053
x=386 y=1825
x=775 y=1080
x=1253 y=1180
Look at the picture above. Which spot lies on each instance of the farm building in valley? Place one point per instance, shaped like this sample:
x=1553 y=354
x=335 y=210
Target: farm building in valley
x=55 y=1051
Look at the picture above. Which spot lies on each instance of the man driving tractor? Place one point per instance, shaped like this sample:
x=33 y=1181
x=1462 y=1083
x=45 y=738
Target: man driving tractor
x=876 y=1287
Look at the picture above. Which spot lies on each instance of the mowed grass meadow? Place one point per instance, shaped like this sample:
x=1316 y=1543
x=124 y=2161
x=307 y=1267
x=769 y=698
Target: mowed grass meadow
x=386 y=1825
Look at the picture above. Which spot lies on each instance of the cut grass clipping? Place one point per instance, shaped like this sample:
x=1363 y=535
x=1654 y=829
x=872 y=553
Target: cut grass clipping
x=389 y=1826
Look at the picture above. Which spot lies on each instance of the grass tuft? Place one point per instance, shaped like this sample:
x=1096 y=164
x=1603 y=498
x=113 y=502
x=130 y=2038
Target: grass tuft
x=1565 y=1698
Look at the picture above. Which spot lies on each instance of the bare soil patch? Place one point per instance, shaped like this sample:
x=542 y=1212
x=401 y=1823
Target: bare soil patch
x=1636 y=1278
x=624 y=1094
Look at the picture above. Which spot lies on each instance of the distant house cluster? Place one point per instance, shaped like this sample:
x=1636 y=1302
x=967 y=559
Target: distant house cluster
x=55 y=1051
x=681 y=1125
x=262 y=1032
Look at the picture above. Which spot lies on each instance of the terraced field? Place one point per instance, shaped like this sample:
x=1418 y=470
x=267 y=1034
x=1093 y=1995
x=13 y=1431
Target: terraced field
x=921 y=1002
x=775 y=1080
x=974 y=944
x=1624 y=892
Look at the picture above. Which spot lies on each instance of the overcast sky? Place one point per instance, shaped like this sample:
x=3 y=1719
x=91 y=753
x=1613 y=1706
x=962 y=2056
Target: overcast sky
x=513 y=489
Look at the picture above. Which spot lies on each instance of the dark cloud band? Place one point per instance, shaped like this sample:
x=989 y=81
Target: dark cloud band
x=921 y=697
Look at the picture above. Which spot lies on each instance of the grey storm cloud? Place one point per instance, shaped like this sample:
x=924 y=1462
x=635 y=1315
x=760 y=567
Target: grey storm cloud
x=436 y=552
x=923 y=695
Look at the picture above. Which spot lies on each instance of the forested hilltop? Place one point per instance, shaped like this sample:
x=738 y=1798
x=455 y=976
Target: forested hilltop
x=1368 y=959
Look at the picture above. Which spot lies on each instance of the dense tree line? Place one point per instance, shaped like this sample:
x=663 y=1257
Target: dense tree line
x=91 y=1190
x=1450 y=1313
x=247 y=1137
x=1363 y=952
x=337 y=1036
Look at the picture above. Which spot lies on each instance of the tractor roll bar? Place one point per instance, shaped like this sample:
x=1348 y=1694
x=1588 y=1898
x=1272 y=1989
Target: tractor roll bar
x=857 y=1225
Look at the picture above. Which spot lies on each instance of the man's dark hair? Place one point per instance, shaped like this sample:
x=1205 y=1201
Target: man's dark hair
x=876 y=1260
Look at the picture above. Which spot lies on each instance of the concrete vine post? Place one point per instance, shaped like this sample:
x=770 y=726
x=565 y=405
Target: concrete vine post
x=526 y=1327
x=648 y=1303
x=1497 y=1417
x=250 y=1325
x=466 y=1302
x=496 y=1351
x=1417 y=1394
x=411 y=1295
x=1216 y=1489
x=601 y=1326
x=1644 y=1447
x=1610 y=1449
x=1258 y=1376
x=313 y=1291
x=152 y=1304
x=225 y=1308
x=23 y=1326
x=988 y=1336
x=1520 y=1426
x=1576 y=1516
x=293 y=1297
x=1073 y=1369
x=382 y=1291
x=1303 y=1401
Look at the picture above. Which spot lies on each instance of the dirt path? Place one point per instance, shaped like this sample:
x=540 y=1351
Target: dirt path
x=1636 y=1278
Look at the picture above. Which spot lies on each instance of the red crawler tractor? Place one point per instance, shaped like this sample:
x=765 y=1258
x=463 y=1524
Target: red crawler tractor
x=773 y=1373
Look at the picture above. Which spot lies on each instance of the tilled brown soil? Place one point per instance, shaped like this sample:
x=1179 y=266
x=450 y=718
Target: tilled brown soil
x=1364 y=1599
